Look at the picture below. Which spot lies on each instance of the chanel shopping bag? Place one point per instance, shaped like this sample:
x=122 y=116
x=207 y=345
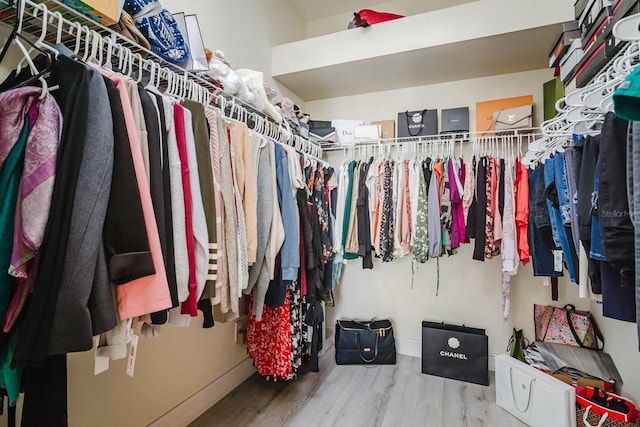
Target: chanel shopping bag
x=535 y=398
x=417 y=123
x=365 y=342
x=456 y=352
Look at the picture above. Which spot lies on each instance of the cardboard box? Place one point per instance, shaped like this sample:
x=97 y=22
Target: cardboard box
x=388 y=128
x=106 y=12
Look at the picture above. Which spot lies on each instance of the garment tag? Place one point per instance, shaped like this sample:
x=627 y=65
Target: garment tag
x=101 y=363
x=557 y=261
x=133 y=352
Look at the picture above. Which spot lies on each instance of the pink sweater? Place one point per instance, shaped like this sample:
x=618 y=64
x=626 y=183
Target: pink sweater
x=151 y=293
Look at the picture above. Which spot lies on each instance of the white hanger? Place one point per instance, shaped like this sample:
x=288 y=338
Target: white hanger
x=574 y=99
x=628 y=29
x=141 y=63
x=87 y=43
x=32 y=66
x=39 y=43
x=78 y=29
x=96 y=50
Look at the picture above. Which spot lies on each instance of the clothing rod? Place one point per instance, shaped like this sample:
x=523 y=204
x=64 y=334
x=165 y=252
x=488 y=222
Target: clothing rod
x=51 y=21
x=529 y=133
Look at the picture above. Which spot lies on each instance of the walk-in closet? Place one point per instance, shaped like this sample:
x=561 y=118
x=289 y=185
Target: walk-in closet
x=319 y=213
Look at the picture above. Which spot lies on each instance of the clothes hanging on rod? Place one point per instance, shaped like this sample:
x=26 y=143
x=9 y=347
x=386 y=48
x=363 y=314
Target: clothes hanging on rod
x=585 y=145
x=425 y=201
x=155 y=199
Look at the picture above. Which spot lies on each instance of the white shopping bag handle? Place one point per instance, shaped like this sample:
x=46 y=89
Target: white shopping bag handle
x=586 y=415
x=513 y=396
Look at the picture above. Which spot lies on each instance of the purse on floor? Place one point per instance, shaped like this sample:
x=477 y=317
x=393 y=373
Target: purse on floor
x=365 y=342
x=566 y=325
x=600 y=406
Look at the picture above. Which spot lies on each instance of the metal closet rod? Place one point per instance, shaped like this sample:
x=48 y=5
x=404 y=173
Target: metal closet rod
x=74 y=29
x=530 y=133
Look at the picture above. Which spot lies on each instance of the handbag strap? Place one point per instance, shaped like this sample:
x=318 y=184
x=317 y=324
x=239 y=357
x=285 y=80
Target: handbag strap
x=570 y=308
x=375 y=351
x=421 y=122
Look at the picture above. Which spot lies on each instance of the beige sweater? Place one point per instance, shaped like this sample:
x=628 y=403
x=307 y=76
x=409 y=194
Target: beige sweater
x=246 y=182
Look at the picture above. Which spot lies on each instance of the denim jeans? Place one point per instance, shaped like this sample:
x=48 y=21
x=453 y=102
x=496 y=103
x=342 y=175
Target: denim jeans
x=541 y=253
x=556 y=175
x=596 y=251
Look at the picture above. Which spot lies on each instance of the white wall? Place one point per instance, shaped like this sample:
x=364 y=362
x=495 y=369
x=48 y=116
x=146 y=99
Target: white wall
x=470 y=291
x=622 y=343
x=246 y=30
x=386 y=105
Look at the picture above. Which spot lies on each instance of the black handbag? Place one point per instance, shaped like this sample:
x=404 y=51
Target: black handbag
x=365 y=342
x=456 y=352
x=417 y=123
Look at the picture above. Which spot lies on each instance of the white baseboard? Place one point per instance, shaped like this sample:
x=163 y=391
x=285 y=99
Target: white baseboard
x=414 y=349
x=409 y=347
x=196 y=405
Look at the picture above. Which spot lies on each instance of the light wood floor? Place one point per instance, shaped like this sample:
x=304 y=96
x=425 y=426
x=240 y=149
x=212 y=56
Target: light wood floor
x=357 y=396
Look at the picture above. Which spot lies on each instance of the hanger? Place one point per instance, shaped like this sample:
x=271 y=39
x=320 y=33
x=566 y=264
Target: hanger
x=17 y=27
x=39 y=44
x=628 y=29
x=96 y=49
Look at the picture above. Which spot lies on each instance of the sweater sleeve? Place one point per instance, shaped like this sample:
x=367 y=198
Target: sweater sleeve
x=290 y=254
x=250 y=201
x=125 y=236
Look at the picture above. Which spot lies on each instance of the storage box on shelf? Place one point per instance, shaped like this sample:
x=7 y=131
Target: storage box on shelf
x=570 y=32
x=106 y=12
x=601 y=47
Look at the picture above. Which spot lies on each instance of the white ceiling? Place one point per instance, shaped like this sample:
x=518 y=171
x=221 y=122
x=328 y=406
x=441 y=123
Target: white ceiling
x=312 y=10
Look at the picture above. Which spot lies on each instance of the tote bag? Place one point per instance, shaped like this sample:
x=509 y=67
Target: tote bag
x=417 y=123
